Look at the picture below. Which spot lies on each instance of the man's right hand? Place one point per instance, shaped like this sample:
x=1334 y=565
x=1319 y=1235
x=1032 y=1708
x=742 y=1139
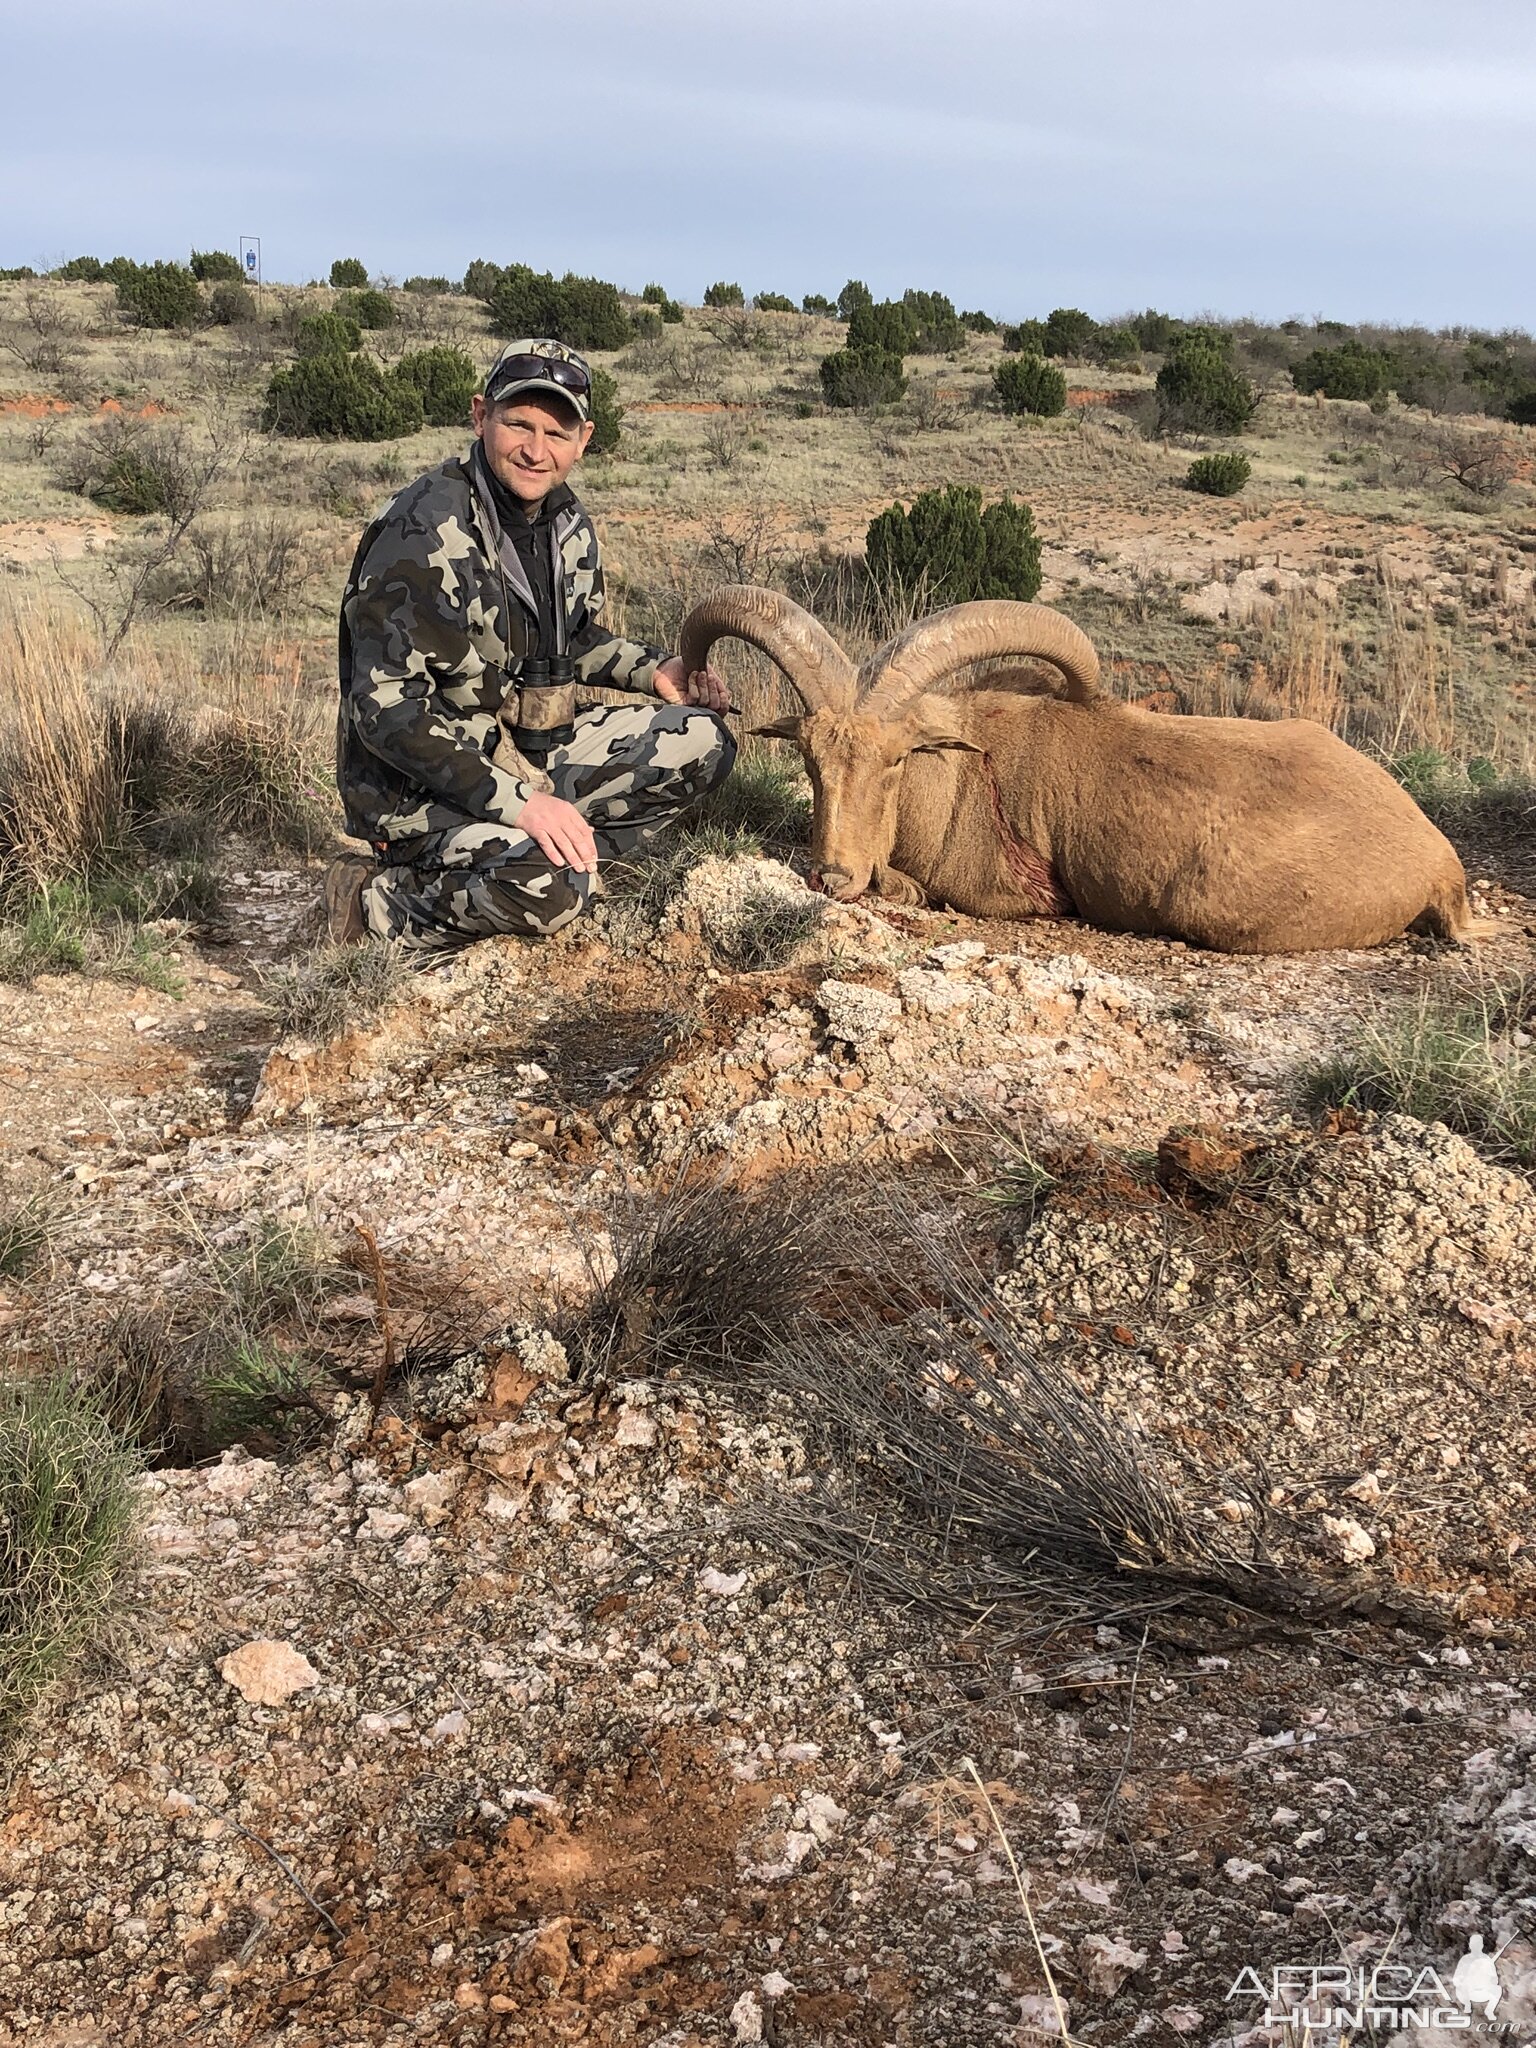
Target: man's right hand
x=560 y=832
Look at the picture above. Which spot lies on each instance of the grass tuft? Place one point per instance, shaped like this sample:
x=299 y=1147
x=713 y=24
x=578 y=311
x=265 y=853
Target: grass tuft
x=769 y=928
x=67 y=928
x=1468 y=1064
x=66 y=1517
x=765 y=796
x=336 y=988
x=26 y=1232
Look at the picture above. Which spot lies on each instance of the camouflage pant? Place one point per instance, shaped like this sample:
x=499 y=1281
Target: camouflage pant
x=629 y=769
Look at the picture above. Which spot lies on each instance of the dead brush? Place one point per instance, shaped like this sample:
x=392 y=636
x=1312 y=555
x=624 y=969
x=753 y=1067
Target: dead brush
x=702 y=1279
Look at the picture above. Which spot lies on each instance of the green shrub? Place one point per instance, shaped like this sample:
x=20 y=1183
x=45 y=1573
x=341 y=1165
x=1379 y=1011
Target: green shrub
x=66 y=1518
x=1219 y=476
x=854 y=293
x=349 y=273
x=669 y=309
x=1025 y=337
x=607 y=414
x=936 y=326
x=773 y=302
x=369 y=309
x=481 y=279
x=1027 y=384
x=724 y=295
x=1112 y=345
x=819 y=304
x=126 y=466
x=1522 y=408
x=160 y=295
x=978 y=323
x=340 y=398
x=947 y=550
x=18 y=274
x=327 y=334
x=1349 y=371
x=82 y=270
x=864 y=377
x=427 y=287
x=1200 y=392
x=215 y=266
x=447 y=380
x=230 y=304
x=888 y=326
x=1155 y=332
x=1069 y=332
x=583 y=312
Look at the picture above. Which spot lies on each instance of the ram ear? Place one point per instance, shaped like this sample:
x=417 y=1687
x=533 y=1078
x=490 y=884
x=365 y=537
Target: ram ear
x=779 y=729
x=936 y=729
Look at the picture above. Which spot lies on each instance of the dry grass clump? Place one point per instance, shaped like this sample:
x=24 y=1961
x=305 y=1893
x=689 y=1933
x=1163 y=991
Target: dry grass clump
x=336 y=988
x=66 y=1518
x=704 y=1278
x=113 y=785
x=1467 y=1061
x=237 y=1354
x=769 y=928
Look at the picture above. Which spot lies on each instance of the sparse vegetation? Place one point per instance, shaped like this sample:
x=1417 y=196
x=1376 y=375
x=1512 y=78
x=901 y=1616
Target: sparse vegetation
x=1464 y=1059
x=770 y=927
x=66 y=1522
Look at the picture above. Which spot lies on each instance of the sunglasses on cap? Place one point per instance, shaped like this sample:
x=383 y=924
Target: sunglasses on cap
x=555 y=370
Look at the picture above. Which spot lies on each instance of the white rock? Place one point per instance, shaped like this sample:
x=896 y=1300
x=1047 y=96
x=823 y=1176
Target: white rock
x=747 y=2018
x=1366 y=1490
x=823 y=1816
x=724 y=1585
x=1107 y=1961
x=504 y=1507
x=775 y=1985
x=267 y=1673
x=447 y=1725
x=383 y=1525
x=236 y=1477
x=1236 y=1871
x=1038 y=2014
x=862 y=1017
x=1355 y=1546
x=636 y=1428
x=936 y=994
x=431 y=1494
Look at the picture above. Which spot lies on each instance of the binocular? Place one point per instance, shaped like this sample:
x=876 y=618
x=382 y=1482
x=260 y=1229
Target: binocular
x=546 y=705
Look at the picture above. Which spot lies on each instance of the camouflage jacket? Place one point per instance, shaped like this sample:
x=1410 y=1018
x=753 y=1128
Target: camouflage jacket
x=432 y=617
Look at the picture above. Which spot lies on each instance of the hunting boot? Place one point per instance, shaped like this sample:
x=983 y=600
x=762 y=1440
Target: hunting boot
x=345 y=880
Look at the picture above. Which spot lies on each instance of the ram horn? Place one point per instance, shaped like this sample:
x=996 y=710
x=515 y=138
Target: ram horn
x=802 y=649
x=926 y=654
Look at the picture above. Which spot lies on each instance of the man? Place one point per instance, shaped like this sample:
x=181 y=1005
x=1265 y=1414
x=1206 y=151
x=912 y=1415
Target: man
x=478 y=566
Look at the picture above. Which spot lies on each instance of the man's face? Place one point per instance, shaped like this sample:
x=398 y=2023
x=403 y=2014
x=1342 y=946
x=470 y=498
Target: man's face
x=531 y=442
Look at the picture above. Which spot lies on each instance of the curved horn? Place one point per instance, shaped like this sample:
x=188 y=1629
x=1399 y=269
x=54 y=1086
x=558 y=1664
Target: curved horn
x=802 y=649
x=925 y=654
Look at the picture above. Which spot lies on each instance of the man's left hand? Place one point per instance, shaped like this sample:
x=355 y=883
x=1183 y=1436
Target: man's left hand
x=703 y=687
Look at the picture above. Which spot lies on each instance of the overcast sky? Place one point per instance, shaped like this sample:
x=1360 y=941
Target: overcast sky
x=1364 y=159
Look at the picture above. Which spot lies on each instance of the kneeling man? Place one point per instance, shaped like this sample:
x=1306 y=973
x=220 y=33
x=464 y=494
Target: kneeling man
x=480 y=581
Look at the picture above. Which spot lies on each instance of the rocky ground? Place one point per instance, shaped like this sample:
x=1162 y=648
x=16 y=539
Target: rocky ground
x=499 y=1720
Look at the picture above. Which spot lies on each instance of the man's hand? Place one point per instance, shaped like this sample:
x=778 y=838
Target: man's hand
x=702 y=687
x=560 y=832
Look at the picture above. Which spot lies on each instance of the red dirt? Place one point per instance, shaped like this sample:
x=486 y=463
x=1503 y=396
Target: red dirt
x=36 y=405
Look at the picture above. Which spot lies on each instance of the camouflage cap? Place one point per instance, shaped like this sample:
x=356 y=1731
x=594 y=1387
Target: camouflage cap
x=541 y=365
